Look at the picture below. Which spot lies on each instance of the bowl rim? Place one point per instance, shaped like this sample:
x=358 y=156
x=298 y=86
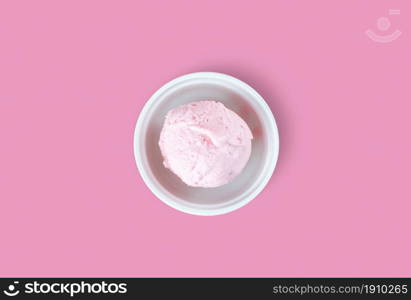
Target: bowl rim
x=268 y=169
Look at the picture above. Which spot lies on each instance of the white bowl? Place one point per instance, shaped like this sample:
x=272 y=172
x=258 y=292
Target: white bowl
x=237 y=96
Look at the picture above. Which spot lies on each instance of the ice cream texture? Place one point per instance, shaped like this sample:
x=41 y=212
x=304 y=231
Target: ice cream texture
x=205 y=144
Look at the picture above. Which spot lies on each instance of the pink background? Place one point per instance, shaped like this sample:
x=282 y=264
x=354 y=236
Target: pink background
x=74 y=76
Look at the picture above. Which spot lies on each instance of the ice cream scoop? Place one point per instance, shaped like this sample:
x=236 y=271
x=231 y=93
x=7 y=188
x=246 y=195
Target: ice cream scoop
x=204 y=143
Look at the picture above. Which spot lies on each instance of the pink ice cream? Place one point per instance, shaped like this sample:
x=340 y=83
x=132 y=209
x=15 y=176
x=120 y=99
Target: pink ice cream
x=205 y=144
